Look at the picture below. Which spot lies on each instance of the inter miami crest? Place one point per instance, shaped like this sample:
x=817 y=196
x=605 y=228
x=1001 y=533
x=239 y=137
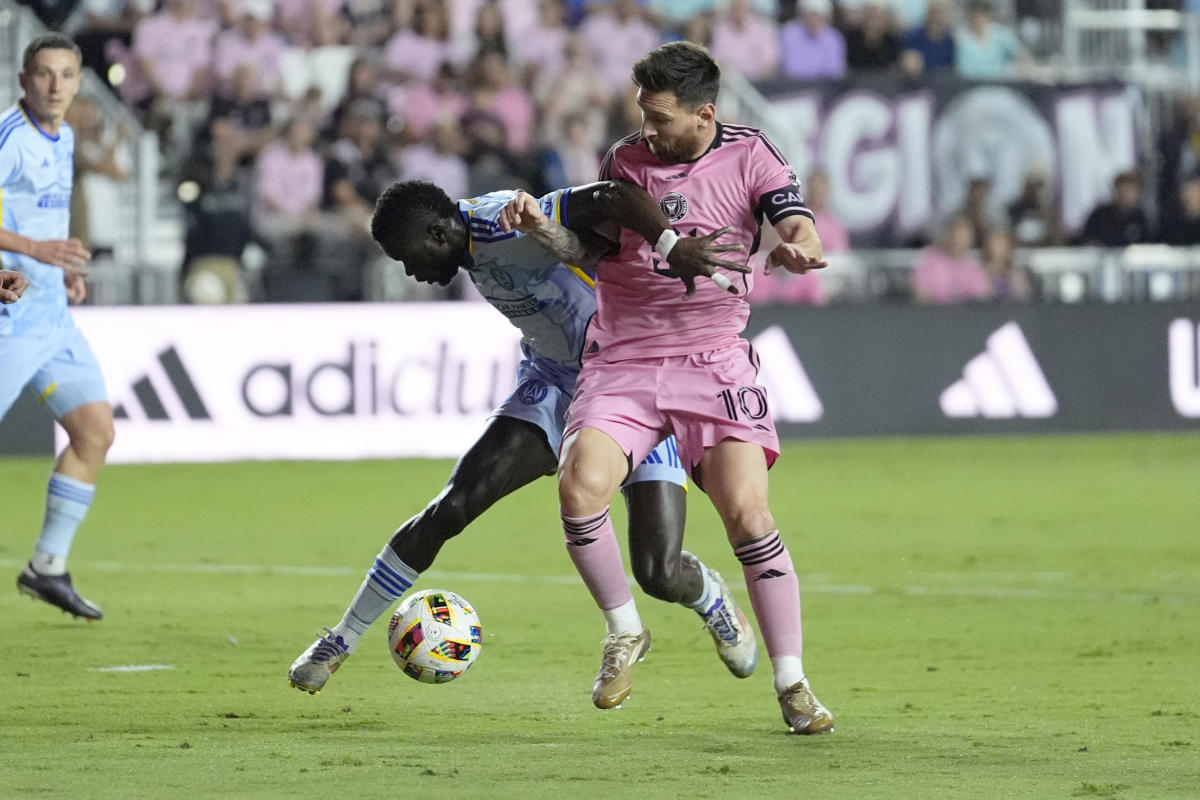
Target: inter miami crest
x=674 y=205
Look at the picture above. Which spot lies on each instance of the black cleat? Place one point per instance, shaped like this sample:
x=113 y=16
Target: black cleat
x=58 y=592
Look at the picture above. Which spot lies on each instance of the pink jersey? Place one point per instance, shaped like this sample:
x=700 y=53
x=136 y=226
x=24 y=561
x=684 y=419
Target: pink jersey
x=741 y=179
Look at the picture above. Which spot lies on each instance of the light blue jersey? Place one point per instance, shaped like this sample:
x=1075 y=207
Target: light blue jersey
x=551 y=303
x=36 y=175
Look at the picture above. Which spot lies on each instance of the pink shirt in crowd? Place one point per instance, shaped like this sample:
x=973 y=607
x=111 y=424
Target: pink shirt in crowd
x=940 y=278
x=752 y=50
x=265 y=53
x=416 y=55
x=292 y=182
x=615 y=45
x=178 y=48
x=421 y=107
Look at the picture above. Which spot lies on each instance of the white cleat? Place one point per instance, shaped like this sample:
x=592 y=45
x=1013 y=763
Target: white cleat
x=728 y=626
x=311 y=671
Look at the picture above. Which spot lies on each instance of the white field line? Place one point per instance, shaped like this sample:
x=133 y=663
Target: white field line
x=809 y=584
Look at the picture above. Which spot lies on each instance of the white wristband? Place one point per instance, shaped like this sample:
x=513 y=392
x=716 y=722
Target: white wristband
x=665 y=242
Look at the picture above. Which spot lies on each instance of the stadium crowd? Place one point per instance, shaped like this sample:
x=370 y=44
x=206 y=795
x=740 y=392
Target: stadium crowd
x=289 y=117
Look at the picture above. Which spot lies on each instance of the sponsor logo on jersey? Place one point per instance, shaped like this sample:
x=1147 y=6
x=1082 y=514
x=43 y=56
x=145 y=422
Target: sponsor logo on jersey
x=674 y=205
x=54 y=201
x=532 y=392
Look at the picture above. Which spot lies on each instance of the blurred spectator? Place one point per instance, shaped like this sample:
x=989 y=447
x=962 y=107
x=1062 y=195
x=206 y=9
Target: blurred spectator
x=1179 y=147
x=984 y=49
x=104 y=21
x=421 y=43
x=930 y=47
x=1182 y=225
x=572 y=158
x=946 y=271
x=810 y=46
x=311 y=23
x=251 y=42
x=911 y=14
x=574 y=90
x=746 y=41
x=439 y=159
x=1009 y=281
x=781 y=286
x=174 y=54
x=217 y=230
x=872 y=44
x=542 y=51
x=363 y=91
x=1121 y=221
x=423 y=105
x=618 y=34
x=369 y=22
x=101 y=169
x=492 y=89
x=698 y=30
x=977 y=208
x=1033 y=216
x=287 y=189
x=489 y=30
x=241 y=116
x=357 y=169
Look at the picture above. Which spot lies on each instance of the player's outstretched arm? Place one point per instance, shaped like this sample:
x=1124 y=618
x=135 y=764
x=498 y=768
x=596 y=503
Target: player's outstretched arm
x=632 y=207
x=800 y=249
x=65 y=253
x=12 y=285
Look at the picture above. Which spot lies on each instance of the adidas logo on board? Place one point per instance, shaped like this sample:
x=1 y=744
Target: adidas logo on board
x=1002 y=382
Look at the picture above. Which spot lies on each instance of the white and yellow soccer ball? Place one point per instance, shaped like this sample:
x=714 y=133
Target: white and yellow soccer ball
x=434 y=636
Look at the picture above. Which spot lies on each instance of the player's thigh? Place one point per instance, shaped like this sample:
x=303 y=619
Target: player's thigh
x=20 y=359
x=509 y=454
x=735 y=479
x=71 y=378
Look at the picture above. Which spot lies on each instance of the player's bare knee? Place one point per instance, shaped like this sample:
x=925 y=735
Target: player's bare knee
x=659 y=579
x=583 y=489
x=750 y=524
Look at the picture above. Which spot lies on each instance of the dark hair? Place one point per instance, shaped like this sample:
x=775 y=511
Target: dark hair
x=682 y=68
x=405 y=204
x=48 y=41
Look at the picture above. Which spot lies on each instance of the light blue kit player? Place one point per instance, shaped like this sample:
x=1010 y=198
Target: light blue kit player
x=40 y=347
x=530 y=279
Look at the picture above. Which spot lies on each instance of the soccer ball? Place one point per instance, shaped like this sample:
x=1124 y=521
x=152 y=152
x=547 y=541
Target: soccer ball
x=434 y=636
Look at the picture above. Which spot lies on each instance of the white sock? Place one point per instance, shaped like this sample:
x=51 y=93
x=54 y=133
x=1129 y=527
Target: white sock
x=708 y=592
x=623 y=619
x=387 y=580
x=44 y=563
x=789 y=670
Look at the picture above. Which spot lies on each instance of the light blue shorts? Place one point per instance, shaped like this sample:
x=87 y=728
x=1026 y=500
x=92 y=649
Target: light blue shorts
x=541 y=398
x=60 y=369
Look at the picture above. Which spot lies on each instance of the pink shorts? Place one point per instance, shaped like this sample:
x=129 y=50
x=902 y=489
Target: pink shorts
x=702 y=398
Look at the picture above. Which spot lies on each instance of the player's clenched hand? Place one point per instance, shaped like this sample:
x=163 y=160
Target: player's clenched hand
x=76 y=288
x=523 y=213
x=698 y=256
x=790 y=257
x=61 y=252
x=12 y=285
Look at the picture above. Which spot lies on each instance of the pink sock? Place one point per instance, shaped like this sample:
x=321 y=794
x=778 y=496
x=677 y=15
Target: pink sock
x=592 y=545
x=774 y=593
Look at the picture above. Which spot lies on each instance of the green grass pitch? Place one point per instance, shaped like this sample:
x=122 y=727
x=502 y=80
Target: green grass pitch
x=987 y=617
